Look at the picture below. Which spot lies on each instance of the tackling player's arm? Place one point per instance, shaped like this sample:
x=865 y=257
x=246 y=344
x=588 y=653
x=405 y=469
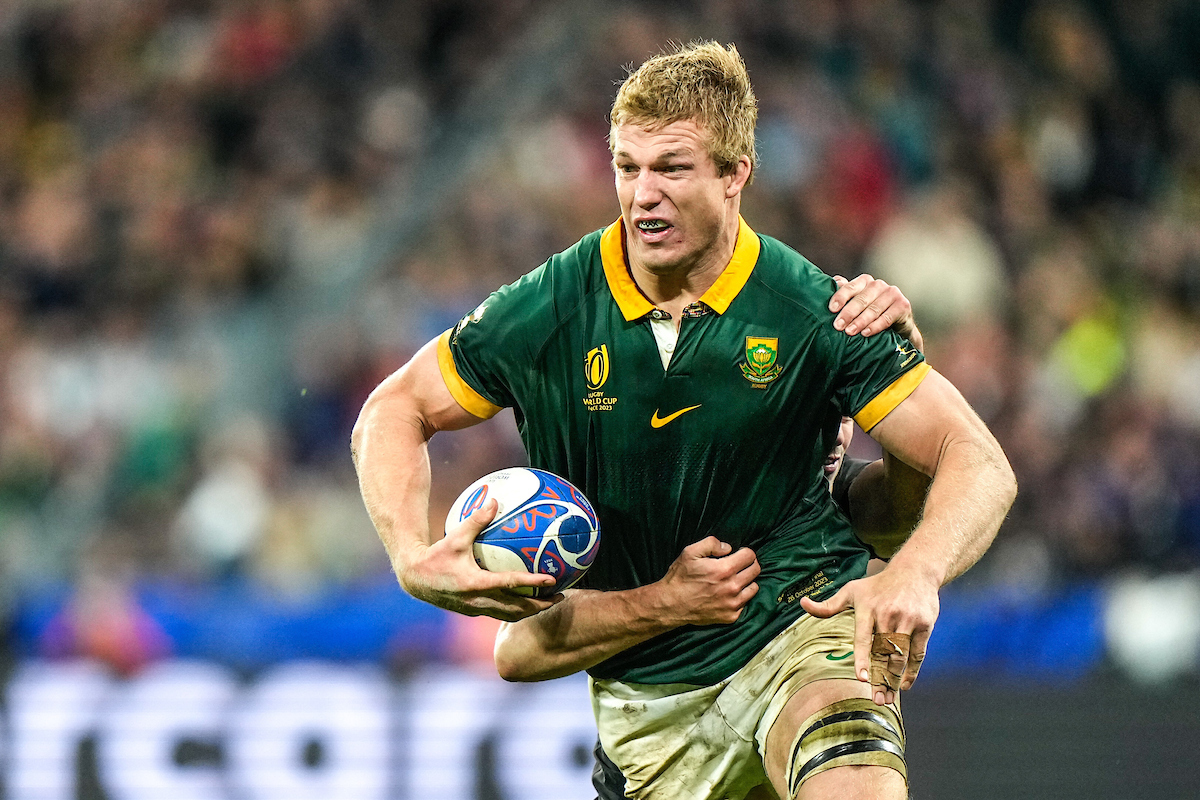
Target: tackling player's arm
x=887 y=497
x=708 y=584
x=391 y=455
x=937 y=432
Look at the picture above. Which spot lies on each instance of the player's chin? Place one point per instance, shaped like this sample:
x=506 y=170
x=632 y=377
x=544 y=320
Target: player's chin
x=663 y=256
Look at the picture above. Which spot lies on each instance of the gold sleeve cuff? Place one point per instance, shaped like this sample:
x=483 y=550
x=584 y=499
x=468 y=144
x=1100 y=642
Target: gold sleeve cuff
x=883 y=403
x=460 y=390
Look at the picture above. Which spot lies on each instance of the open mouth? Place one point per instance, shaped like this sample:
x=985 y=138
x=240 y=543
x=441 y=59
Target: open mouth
x=831 y=464
x=653 y=229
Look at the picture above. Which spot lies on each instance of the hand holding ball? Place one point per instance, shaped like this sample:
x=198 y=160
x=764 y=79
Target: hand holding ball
x=543 y=525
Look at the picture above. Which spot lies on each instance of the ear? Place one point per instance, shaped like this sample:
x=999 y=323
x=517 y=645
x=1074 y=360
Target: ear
x=737 y=177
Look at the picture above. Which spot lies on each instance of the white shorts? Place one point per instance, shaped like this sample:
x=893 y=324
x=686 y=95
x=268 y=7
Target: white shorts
x=677 y=740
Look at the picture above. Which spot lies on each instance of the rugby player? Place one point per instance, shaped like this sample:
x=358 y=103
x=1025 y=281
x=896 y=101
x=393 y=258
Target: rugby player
x=684 y=372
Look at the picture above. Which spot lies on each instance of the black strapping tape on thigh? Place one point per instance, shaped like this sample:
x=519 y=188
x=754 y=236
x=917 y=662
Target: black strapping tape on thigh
x=847 y=749
x=844 y=716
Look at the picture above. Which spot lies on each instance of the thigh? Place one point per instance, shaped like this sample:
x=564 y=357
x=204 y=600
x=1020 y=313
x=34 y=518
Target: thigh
x=847 y=782
x=674 y=742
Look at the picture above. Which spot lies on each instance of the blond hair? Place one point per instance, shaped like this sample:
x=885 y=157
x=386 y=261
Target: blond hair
x=703 y=82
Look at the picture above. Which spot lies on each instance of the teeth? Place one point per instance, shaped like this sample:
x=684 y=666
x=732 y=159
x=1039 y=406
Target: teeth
x=652 y=225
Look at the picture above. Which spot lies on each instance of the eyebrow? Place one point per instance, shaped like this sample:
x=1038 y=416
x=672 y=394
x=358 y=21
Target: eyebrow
x=681 y=153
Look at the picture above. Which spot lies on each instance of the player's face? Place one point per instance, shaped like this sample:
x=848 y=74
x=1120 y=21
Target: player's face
x=833 y=462
x=675 y=204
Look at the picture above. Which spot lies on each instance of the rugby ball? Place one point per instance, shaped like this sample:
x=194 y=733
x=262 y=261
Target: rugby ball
x=543 y=525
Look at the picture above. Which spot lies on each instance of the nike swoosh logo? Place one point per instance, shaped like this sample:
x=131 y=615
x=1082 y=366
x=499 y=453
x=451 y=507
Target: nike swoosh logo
x=658 y=422
x=842 y=657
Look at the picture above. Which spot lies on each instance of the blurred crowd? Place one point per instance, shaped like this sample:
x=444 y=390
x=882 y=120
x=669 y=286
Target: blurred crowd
x=198 y=285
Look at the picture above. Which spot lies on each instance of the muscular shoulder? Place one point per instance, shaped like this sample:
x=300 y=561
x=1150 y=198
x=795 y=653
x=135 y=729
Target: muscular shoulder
x=794 y=279
x=536 y=304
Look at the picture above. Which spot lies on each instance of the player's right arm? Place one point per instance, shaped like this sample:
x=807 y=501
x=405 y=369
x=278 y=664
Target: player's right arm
x=391 y=455
x=706 y=585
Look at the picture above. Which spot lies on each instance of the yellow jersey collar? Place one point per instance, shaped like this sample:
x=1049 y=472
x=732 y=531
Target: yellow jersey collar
x=635 y=305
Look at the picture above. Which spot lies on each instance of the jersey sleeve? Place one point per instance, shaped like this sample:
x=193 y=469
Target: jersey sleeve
x=873 y=375
x=488 y=356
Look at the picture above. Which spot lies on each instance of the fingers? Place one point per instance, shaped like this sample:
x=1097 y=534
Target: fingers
x=916 y=656
x=751 y=570
x=746 y=579
x=890 y=306
x=889 y=659
x=708 y=547
x=742 y=560
x=864 y=306
x=868 y=306
x=512 y=581
x=864 y=626
x=847 y=290
x=504 y=604
x=745 y=596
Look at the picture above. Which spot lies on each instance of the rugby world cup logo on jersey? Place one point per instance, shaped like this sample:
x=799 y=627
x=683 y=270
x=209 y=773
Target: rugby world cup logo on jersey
x=761 y=354
x=596 y=366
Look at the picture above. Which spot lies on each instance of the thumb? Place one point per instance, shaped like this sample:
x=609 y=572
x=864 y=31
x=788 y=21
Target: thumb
x=834 y=605
x=465 y=532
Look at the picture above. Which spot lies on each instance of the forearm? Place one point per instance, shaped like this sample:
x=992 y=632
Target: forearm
x=390 y=449
x=708 y=584
x=968 y=499
x=936 y=432
x=584 y=629
x=390 y=446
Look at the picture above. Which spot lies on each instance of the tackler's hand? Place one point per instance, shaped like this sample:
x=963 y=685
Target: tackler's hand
x=446 y=575
x=868 y=306
x=708 y=584
x=894 y=614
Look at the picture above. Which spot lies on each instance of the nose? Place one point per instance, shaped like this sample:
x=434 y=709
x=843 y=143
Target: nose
x=647 y=191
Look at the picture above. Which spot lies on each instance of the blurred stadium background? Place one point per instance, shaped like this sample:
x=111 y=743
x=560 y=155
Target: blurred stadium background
x=222 y=222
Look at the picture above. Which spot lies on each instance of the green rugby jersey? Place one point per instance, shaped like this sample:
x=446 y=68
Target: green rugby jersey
x=727 y=441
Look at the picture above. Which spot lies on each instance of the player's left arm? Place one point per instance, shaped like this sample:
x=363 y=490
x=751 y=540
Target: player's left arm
x=937 y=432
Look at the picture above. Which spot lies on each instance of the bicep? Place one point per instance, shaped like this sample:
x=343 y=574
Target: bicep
x=416 y=394
x=924 y=424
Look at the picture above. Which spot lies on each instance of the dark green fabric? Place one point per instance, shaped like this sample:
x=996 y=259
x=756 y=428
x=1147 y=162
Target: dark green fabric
x=851 y=468
x=745 y=466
